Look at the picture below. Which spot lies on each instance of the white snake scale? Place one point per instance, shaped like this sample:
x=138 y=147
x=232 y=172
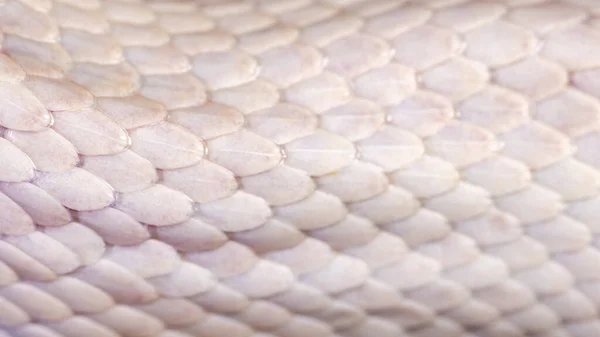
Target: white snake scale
x=300 y=168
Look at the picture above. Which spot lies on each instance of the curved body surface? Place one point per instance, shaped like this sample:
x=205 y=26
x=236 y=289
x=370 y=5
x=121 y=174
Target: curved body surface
x=296 y=168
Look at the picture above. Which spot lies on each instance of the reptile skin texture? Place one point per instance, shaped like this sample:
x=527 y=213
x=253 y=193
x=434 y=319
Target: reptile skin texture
x=300 y=168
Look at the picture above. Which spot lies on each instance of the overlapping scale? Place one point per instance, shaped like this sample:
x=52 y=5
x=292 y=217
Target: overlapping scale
x=281 y=168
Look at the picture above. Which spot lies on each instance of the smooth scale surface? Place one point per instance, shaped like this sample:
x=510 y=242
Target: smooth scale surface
x=299 y=168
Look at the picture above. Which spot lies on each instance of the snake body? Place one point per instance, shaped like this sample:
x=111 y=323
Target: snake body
x=295 y=168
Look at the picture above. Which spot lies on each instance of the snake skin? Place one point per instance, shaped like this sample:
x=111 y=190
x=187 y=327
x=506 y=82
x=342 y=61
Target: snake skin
x=300 y=168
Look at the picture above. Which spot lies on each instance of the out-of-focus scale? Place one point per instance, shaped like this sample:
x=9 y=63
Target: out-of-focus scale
x=293 y=168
